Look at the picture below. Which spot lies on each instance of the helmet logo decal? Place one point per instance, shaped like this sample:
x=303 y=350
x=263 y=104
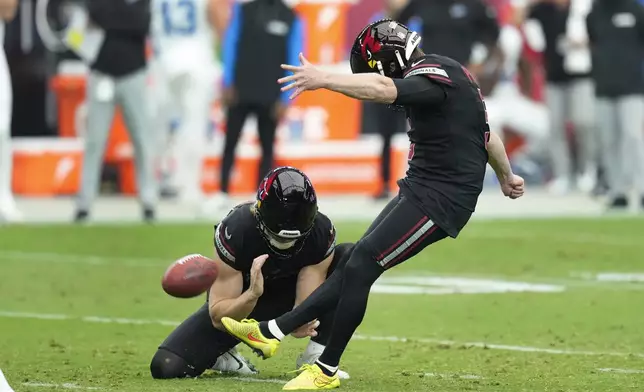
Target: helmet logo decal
x=412 y=43
x=265 y=186
x=369 y=47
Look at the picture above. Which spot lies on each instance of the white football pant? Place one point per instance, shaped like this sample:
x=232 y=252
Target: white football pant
x=186 y=96
x=507 y=107
x=6 y=158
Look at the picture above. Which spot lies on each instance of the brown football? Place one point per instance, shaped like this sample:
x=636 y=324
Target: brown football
x=190 y=276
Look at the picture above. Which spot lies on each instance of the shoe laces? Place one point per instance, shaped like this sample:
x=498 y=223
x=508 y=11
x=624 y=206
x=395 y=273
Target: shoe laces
x=303 y=368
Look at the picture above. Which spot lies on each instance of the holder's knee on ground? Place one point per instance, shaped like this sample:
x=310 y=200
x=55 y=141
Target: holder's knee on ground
x=166 y=364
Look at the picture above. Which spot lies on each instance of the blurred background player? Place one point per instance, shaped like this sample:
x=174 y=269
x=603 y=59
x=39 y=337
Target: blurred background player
x=261 y=35
x=8 y=210
x=185 y=34
x=507 y=105
x=464 y=30
x=118 y=76
x=387 y=122
x=616 y=31
x=557 y=28
x=271 y=254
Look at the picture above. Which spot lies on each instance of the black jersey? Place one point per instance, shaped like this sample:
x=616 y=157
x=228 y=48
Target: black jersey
x=238 y=242
x=449 y=132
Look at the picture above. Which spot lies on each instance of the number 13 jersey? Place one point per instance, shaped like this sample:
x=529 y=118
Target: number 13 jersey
x=181 y=31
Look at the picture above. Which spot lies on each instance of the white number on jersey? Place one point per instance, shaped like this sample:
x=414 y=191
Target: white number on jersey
x=179 y=17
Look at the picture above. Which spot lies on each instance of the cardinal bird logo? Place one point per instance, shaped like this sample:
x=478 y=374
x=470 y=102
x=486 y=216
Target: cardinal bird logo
x=369 y=47
x=266 y=185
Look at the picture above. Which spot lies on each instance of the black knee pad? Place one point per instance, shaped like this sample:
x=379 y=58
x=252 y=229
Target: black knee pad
x=166 y=364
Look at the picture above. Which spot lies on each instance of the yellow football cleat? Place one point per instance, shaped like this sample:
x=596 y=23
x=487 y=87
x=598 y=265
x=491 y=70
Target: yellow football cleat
x=312 y=378
x=249 y=333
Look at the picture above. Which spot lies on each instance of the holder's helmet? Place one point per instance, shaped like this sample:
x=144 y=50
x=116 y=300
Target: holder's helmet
x=285 y=209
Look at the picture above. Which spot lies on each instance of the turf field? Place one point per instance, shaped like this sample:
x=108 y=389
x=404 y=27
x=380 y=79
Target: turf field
x=509 y=306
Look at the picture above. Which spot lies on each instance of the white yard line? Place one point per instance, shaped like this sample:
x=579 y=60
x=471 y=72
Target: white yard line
x=249 y=379
x=575 y=279
x=88 y=319
x=615 y=277
x=450 y=375
x=75 y=386
x=621 y=371
x=569 y=238
x=494 y=346
x=485 y=345
x=59 y=386
x=53 y=257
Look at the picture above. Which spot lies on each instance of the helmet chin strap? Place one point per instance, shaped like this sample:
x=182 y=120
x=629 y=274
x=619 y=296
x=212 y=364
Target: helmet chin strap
x=400 y=60
x=412 y=43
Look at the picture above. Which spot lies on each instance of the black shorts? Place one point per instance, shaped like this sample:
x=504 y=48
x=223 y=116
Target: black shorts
x=199 y=343
x=400 y=232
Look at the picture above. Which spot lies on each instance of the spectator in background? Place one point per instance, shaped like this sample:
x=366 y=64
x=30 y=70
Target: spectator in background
x=507 y=105
x=119 y=76
x=556 y=28
x=386 y=120
x=186 y=70
x=452 y=28
x=616 y=32
x=8 y=210
x=261 y=35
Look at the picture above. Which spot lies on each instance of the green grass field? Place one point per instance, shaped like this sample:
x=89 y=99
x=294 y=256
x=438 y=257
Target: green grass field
x=82 y=308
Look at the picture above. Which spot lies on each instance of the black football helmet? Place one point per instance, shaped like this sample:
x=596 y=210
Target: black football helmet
x=285 y=209
x=384 y=47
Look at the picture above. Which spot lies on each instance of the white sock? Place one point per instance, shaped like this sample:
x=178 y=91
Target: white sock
x=275 y=330
x=331 y=369
x=314 y=348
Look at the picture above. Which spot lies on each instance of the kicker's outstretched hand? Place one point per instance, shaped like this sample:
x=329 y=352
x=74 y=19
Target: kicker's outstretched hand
x=305 y=77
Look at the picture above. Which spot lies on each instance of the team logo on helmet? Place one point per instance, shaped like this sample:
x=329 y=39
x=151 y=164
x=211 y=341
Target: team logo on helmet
x=369 y=47
x=266 y=184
